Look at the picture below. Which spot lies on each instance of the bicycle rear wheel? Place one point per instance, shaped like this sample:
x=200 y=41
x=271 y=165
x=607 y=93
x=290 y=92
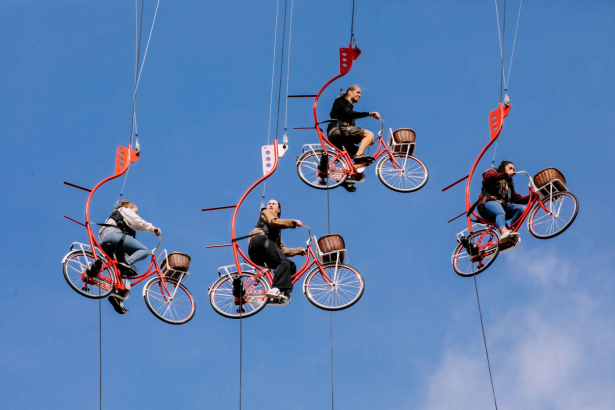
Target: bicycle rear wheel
x=175 y=305
x=74 y=265
x=226 y=304
x=487 y=242
x=307 y=168
x=408 y=174
x=341 y=288
x=564 y=207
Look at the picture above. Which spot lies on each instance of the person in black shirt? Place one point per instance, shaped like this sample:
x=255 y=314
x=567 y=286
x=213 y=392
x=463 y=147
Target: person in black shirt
x=351 y=134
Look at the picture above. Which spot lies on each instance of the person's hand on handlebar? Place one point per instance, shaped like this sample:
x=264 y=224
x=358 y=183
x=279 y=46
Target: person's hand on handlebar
x=157 y=231
x=375 y=115
x=297 y=222
x=303 y=252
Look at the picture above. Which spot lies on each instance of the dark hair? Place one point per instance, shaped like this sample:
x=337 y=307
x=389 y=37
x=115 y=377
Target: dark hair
x=279 y=206
x=502 y=166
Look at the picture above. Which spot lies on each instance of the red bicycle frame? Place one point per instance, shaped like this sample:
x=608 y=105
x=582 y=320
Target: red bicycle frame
x=124 y=157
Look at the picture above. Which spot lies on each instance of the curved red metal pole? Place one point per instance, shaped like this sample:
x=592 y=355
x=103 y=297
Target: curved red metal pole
x=236 y=249
x=347 y=57
x=124 y=157
x=496 y=122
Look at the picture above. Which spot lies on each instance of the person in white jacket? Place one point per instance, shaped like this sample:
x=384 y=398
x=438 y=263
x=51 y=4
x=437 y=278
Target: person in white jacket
x=120 y=233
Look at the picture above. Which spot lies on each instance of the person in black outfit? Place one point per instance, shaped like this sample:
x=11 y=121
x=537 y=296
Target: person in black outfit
x=266 y=247
x=350 y=134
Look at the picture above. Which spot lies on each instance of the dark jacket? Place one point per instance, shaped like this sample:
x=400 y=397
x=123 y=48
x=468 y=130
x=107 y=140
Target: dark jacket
x=343 y=110
x=273 y=228
x=498 y=186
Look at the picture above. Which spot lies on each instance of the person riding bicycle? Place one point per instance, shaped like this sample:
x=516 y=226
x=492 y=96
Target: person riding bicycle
x=344 y=134
x=266 y=247
x=118 y=233
x=498 y=199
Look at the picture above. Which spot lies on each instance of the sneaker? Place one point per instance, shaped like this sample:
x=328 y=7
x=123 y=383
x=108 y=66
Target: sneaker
x=127 y=269
x=505 y=237
x=349 y=187
x=94 y=269
x=117 y=304
x=273 y=293
x=363 y=159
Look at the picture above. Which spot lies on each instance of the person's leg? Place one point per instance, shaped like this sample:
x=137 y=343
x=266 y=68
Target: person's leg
x=494 y=209
x=135 y=249
x=366 y=141
x=514 y=211
x=279 y=263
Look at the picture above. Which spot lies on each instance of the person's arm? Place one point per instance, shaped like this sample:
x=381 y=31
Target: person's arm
x=493 y=176
x=290 y=252
x=274 y=222
x=518 y=199
x=349 y=112
x=135 y=222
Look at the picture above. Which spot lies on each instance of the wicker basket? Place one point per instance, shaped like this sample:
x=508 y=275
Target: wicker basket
x=550 y=175
x=177 y=262
x=331 y=243
x=404 y=136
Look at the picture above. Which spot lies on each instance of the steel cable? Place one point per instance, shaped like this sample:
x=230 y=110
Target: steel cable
x=484 y=340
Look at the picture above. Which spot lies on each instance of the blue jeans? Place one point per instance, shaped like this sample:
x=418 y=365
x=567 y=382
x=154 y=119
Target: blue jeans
x=502 y=213
x=131 y=246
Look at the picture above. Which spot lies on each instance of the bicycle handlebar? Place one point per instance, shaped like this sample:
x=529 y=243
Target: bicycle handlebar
x=159 y=243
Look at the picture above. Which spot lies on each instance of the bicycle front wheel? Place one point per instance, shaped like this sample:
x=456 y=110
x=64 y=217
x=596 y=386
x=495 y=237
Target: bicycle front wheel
x=174 y=305
x=340 y=287
x=74 y=266
x=307 y=168
x=487 y=242
x=564 y=208
x=228 y=305
x=406 y=174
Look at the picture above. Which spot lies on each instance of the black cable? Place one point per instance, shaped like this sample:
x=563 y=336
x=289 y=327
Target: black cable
x=503 y=36
x=240 y=340
x=484 y=340
x=277 y=125
x=99 y=356
x=134 y=98
x=352 y=23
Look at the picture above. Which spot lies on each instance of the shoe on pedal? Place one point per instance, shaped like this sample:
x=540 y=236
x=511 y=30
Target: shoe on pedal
x=127 y=269
x=94 y=269
x=273 y=293
x=363 y=159
x=117 y=304
x=349 y=187
x=507 y=236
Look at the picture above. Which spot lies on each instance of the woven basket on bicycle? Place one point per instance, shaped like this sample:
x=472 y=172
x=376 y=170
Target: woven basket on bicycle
x=404 y=136
x=177 y=262
x=331 y=243
x=550 y=175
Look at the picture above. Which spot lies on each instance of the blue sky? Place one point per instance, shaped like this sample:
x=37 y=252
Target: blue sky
x=414 y=339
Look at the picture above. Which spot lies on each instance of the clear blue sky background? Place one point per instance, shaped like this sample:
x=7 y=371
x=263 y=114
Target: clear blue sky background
x=414 y=339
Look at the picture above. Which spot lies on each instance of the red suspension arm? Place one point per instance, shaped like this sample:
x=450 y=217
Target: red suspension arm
x=496 y=121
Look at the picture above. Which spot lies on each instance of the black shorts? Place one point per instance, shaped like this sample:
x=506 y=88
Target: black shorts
x=351 y=135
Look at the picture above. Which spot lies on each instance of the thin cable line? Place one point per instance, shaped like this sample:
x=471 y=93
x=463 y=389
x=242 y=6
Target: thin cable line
x=275 y=42
x=497 y=17
x=484 y=340
x=331 y=328
x=240 y=342
x=281 y=70
x=99 y=353
x=290 y=34
x=513 y=48
x=352 y=22
x=503 y=48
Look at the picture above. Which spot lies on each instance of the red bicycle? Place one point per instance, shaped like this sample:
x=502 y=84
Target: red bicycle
x=551 y=209
x=330 y=284
x=396 y=168
x=165 y=295
x=324 y=166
